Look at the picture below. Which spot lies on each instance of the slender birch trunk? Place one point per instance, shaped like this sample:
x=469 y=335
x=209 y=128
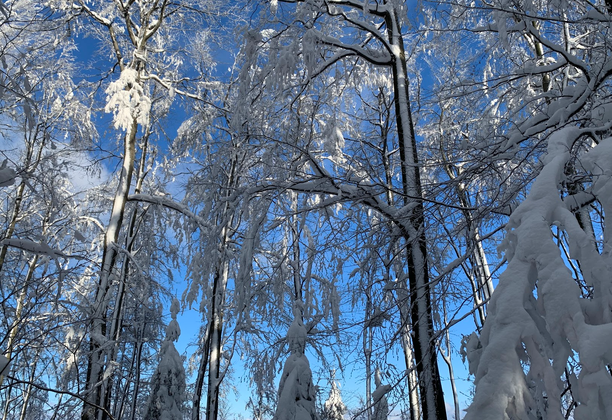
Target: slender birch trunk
x=367 y=352
x=28 y=392
x=480 y=276
x=413 y=381
x=139 y=347
x=214 y=368
x=199 y=384
x=117 y=317
x=21 y=300
x=446 y=355
x=98 y=318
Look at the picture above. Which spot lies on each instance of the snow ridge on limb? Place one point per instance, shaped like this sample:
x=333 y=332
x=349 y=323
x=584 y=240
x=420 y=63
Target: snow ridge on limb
x=537 y=318
x=171 y=204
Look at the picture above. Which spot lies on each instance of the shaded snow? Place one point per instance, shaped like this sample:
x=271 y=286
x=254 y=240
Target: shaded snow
x=537 y=318
x=296 y=394
x=7 y=175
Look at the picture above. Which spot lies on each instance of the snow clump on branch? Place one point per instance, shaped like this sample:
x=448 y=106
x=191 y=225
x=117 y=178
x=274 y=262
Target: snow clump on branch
x=127 y=100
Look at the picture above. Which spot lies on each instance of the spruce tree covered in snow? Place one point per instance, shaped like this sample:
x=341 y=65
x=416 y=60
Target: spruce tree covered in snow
x=381 y=406
x=168 y=382
x=296 y=392
x=334 y=407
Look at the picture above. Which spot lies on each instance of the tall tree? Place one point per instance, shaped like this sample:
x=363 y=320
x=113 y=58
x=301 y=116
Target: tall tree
x=373 y=33
x=45 y=126
x=132 y=34
x=525 y=360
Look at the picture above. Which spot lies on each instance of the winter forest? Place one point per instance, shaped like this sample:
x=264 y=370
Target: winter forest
x=305 y=209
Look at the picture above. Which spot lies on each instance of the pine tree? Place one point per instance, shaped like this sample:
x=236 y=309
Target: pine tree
x=168 y=382
x=381 y=406
x=296 y=392
x=334 y=407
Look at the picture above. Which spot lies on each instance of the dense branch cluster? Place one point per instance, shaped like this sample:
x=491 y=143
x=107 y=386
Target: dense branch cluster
x=371 y=194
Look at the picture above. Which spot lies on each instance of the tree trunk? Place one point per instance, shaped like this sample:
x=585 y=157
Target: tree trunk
x=139 y=347
x=425 y=352
x=98 y=319
x=199 y=384
x=21 y=301
x=480 y=276
x=28 y=392
x=214 y=368
x=117 y=317
x=446 y=355
x=413 y=381
x=218 y=300
x=367 y=352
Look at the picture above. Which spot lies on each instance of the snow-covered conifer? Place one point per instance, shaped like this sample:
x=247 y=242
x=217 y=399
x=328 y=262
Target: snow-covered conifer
x=168 y=382
x=296 y=392
x=334 y=407
x=381 y=406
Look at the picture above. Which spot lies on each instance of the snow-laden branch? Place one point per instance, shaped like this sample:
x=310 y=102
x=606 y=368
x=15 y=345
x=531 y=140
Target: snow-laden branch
x=129 y=256
x=562 y=110
x=82 y=6
x=531 y=69
x=171 y=204
x=365 y=26
x=338 y=56
x=379 y=58
x=39 y=248
x=579 y=200
x=373 y=8
x=37 y=385
x=168 y=85
x=537 y=317
x=561 y=50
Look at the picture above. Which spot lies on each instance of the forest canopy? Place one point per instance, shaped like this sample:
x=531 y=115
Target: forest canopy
x=305 y=209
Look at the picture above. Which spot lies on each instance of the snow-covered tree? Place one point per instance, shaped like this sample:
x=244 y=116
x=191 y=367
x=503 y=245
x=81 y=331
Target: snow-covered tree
x=167 y=397
x=379 y=398
x=523 y=359
x=544 y=350
x=334 y=408
x=296 y=391
x=351 y=37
